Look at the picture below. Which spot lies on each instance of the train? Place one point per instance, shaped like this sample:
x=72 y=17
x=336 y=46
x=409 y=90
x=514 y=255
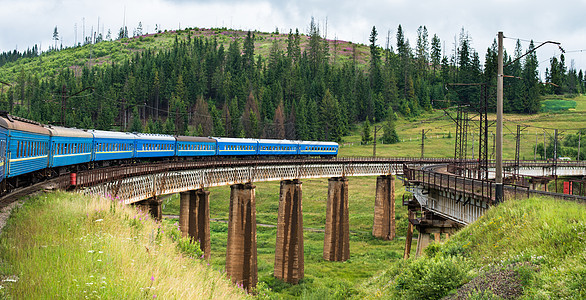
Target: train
x=31 y=152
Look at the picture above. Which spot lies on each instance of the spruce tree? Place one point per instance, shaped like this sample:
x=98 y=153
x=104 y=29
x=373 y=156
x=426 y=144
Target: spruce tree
x=366 y=137
x=390 y=135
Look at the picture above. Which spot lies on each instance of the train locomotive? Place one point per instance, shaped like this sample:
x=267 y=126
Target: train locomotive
x=31 y=152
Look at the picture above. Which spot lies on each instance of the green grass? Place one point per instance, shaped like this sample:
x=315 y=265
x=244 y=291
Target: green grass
x=541 y=239
x=440 y=134
x=557 y=105
x=62 y=245
x=338 y=280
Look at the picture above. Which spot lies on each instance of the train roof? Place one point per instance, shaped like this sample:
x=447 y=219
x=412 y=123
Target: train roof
x=196 y=139
x=112 y=134
x=16 y=123
x=156 y=137
x=316 y=143
x=271 y=141
x=235 y=140
x=68 y=132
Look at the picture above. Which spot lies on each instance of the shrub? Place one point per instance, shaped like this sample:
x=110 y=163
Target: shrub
x=432 y=278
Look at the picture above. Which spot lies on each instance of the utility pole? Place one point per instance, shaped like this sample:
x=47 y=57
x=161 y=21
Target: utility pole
x=376 y=129
x=423 y=132
x=63 y=104
x=499 y=113
x=535 y=151
x=422 y=142
x=499 y=123
x=544 y=146
x=555 y=145
x=579 y=136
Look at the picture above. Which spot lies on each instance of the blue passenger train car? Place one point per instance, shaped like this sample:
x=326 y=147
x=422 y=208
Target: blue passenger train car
x=236 y=146
x=3 y=143
x=69 y=146
x=27 y=146
x=111 y=145
x=154 y=145
x=277 y=147
x=195 y=146
x=318 y=148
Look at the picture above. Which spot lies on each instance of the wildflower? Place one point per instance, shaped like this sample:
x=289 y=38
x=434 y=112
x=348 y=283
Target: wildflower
x=152 y=278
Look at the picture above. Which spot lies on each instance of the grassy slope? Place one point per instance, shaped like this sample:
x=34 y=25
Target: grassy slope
x=49 y=64
x=437 y=143
x=67 y=246
x=541 y=239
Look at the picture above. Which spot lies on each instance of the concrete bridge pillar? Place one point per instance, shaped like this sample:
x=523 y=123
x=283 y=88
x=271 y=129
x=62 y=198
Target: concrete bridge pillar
x=194 y=218
x=155 y=206
x=241 y=264
x=337 y=235
x=184 y=198
x=289 y=259
x=422 y=242
x=384 y=208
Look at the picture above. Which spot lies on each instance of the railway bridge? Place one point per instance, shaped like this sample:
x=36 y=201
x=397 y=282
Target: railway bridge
x=442 y=201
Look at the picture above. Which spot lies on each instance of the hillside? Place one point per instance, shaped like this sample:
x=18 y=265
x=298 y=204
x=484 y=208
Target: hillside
x=117 y=51
x=527 y=249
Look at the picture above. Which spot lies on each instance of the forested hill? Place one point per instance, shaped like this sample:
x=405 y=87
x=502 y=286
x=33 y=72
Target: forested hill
x=248 y=84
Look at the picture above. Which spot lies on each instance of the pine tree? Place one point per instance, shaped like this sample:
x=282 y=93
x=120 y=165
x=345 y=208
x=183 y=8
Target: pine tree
x=55 y=36
x=436 y=52
x=202 y=118
x=330 y=118
x=251 y=118
x=279 y=122
x=530 y=77
x=390 y=135
x=366 y=137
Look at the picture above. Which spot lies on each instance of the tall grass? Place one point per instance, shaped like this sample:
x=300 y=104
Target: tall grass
x=62 y=245
x=543 y=241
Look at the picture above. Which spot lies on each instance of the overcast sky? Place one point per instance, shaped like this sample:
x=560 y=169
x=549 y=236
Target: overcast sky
x=25 y=23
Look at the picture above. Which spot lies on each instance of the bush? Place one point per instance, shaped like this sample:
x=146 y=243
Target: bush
x=432 y=278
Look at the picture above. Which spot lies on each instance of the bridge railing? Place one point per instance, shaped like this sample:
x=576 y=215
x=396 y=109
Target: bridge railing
x=477 y=188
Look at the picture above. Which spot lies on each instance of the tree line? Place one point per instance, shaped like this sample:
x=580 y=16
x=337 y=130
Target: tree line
x=199 y=86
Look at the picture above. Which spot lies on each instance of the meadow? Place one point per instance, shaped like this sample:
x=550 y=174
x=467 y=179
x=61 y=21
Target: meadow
x=338 y=280
x=63 y=245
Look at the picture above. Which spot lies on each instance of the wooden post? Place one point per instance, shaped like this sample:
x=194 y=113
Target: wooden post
x=409 y=238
